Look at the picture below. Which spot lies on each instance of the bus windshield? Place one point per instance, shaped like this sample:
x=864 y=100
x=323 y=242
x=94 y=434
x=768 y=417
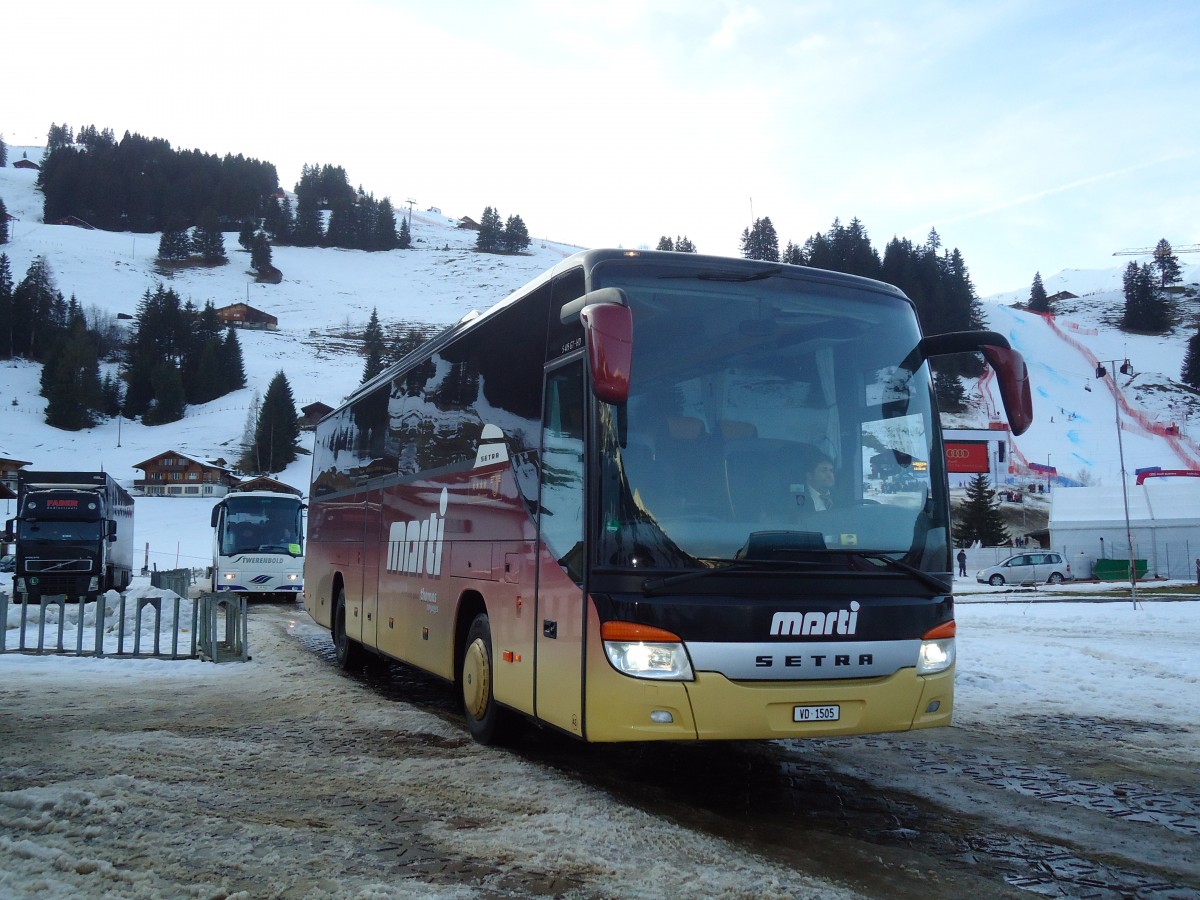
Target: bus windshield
x=261 y=525
x=771 y=417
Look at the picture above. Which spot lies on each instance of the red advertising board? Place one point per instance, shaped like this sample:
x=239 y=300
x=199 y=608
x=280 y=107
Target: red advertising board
x=967 y=456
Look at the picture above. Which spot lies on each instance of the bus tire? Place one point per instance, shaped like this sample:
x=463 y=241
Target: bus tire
x=350 y=653
x=485 y=720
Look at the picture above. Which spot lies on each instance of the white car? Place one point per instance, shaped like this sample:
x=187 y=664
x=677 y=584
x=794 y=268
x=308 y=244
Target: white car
x=1028 y=568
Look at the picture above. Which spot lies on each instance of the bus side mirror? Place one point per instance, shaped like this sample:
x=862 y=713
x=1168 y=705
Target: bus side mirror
x=110 y=529
x=1012 y=375
x=9 y=529
x=609 y=333
x=216 y=512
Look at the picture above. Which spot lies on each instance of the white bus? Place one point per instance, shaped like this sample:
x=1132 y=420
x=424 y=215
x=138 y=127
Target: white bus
x=258 y=544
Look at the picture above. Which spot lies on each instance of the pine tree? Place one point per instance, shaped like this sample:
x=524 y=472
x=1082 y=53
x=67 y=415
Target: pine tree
x=306 y=231
x=73 y=391
x=491 y=231
x=385 y=226
x=1167 y=264
x=169 y=401
x=1146 y=308
x=174 y=244
x=277 y=429
x=844 y=248
x=684 y=245
x=404 y=238
x=233 y=369
x=35 y=323
x=3 y=222
x=516 y=235
x=1038 y=301
x=1190 y=373
x=246 y=235
x=949 y=392
x=979 y=519
x=665 y=243
x=6 y=308
x=3 y=152
x=260 y=252
x=373 y=347
x=279 y=221
x=761 y=242
x=110 y=396
x=207 y=239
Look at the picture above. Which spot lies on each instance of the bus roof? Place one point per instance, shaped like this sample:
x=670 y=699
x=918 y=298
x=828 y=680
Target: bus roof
x=586 y=259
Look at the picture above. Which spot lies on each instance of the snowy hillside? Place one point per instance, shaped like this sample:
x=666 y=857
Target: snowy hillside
x=326 y=294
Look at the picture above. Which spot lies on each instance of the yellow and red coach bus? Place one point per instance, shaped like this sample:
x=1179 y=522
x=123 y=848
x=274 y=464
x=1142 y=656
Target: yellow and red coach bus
x=589 y=506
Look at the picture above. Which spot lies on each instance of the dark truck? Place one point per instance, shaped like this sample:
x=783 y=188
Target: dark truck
x=74 y=535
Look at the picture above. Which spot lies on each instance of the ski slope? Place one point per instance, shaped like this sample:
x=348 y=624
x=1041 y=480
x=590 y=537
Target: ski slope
x=1076 y=413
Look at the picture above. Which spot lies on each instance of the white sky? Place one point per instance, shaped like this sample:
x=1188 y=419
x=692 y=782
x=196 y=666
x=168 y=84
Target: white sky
x=1033 y=136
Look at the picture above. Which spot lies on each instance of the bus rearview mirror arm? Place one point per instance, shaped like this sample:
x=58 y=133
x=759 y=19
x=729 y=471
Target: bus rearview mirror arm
x=1012 y=375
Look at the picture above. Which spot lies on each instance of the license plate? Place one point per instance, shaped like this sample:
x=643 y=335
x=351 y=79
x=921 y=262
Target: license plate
x=816 y=713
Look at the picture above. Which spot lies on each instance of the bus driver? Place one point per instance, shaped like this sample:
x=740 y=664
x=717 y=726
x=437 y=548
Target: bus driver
x=818 y=482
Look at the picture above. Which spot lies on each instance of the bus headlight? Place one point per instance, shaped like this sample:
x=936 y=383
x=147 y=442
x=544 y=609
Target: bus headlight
x=643 y=651
x=937 y=650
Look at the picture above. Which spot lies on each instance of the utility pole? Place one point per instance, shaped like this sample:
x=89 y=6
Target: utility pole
x=1101 y=372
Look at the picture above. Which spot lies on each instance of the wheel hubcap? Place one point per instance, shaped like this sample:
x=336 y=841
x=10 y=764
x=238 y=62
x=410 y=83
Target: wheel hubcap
x=476 y=680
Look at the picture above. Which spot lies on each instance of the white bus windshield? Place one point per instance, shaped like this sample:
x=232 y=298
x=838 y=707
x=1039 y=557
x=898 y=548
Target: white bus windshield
x=774 y=416
x=261 y=525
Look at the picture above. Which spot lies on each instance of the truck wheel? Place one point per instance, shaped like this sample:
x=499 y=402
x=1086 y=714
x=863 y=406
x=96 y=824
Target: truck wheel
x=486 y=721
x=350 y=653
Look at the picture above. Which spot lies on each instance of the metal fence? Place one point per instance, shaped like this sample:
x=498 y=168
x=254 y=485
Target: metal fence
x=176 y=580
x=212 y=628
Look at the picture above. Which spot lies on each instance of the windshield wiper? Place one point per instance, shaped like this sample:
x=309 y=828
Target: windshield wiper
x=772 y=566
x=719 y=275
x=742 y=566
x=924 y=577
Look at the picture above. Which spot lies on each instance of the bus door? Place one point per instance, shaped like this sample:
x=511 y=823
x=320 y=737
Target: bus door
x=558 y=687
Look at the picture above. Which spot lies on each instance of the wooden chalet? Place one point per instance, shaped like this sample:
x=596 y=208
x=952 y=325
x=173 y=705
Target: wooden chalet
x=312 y=414
x=243 y=315
x=175 y=474
x=8 y=476
x=266 y=483
x=24 y=163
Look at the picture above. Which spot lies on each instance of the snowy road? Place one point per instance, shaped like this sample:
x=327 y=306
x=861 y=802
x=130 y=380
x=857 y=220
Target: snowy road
x=284 y=777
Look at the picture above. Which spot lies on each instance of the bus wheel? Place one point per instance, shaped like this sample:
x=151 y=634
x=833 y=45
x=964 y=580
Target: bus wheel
x=485 y=720
x=350 y=654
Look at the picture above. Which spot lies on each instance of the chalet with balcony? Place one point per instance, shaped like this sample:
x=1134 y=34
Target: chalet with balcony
x=175 y=474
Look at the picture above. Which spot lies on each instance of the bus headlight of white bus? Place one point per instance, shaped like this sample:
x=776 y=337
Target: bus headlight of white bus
x=937 y=650
x=643 y=651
